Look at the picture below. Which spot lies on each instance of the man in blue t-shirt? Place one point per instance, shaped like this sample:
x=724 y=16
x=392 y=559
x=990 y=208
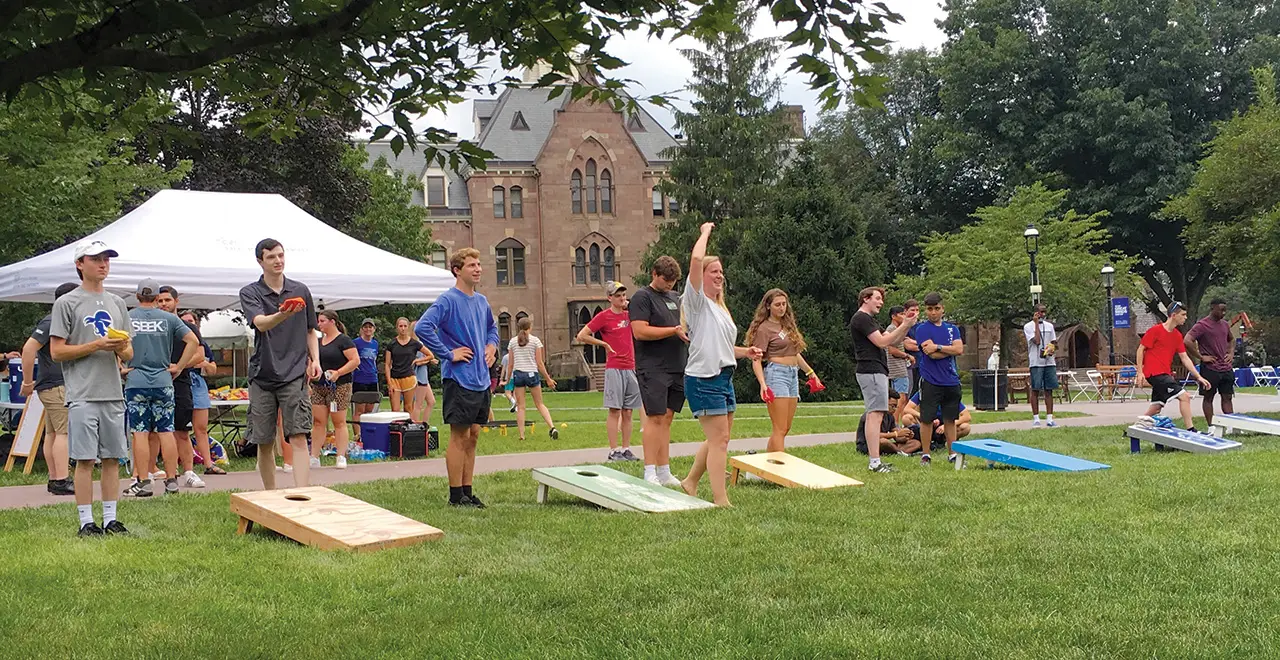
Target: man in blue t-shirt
x=365 y=377
x=459 y=328
x=939 y=343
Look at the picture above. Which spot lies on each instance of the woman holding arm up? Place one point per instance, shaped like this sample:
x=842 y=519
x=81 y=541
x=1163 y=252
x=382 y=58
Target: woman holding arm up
x=774 y=332
x=528 y=370
x=708 y=375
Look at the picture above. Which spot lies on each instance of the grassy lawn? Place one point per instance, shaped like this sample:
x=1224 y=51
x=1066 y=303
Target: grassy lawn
x=1164 y=555
x=585 y=421
x=1256 y=390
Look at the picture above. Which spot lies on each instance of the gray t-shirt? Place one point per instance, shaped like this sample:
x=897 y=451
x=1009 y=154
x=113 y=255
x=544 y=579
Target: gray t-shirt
x=711 y=334
x=80 y=317
x=155 y=332
x=48 y=371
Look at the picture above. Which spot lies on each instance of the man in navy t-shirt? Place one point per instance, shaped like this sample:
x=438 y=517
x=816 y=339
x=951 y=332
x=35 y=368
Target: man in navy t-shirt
x=939 y=343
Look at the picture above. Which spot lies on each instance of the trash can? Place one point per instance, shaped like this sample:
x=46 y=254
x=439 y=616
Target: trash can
x=990 y=389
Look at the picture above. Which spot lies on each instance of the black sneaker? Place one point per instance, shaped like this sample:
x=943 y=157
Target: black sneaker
x=472 y=500
x=62 y=487
x=90 y=529
x=139 y=489
x=554 y=433
x=114 y=527
x=513 y=407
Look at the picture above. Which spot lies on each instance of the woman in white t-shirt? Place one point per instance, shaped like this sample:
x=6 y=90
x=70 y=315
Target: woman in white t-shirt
x=527 y=370
x=708 y=374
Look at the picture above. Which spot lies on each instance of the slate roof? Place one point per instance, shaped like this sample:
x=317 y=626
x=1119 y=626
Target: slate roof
x=415 y=164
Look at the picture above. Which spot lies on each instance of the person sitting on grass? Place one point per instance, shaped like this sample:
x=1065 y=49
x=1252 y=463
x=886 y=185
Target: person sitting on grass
x=911 y=420
x=893 y=439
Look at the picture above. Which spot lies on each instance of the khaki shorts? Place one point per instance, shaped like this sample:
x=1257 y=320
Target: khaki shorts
x=406 y=384
x=55 y=411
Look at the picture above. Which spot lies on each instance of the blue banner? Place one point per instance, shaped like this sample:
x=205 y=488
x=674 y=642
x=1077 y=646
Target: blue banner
x=1120 y=312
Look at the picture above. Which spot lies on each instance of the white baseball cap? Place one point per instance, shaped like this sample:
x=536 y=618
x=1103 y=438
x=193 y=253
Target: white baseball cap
x=93 y=249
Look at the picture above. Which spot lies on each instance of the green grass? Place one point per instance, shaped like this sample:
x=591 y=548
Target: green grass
x=1256 y=390
x=585 y=418
x=1164 y=555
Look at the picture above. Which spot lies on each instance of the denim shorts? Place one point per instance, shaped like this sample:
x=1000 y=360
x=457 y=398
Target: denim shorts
x=199 y=392
x=783 y=380
x=526 y=379
x=901 y=385
x=711 y=396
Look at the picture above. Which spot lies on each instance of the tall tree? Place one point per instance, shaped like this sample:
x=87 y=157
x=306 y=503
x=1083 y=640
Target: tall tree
x=1110 y=100
x=388 y=220
x=983 y=270
x=403 y=56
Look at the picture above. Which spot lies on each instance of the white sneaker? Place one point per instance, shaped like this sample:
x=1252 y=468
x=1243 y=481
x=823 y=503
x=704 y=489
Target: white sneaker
x=315 y=462
x=1035 y=423
x=156 y=475
x=288 y=468
x=653 y=480
x=341 y=463
x=670 y=481
x=190 y=480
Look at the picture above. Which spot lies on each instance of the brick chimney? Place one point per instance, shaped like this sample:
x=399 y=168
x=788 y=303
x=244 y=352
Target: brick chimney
x=793 y=115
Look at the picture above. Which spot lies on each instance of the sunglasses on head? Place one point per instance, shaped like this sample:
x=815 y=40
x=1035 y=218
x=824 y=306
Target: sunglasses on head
x=1173 y=309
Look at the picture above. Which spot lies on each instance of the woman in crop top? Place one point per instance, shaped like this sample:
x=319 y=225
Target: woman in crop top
x=774 y=331
x=708 y=374
x=527 y=370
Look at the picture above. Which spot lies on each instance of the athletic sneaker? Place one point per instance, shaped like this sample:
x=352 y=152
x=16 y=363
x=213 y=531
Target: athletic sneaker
x=170 y=486
x=138 y=489
x=114 y=527
x=158 y=474
x=1052 y=424
x=513 y=408
x=315 y=462
x=883 y=468
x=925 y=460
x=615 y=456
x=62 y=487
x=1035 y=423
x=288 y=469
x=190 y=480
x=554 y=433
x=628 y=456
x=341 y=463
x=670 y=481
x=472 y=500
x=653 y=480
x=90 y=529
x=951 y=458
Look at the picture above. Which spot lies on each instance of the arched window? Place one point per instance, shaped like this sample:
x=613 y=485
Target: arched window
x=517 y=202
x=591 y=186
x=580 y=266
x=499 y=202
x=521 y=315
x=575 y=191
x=504 y=330
x=606 y=192
x=595 y=263
x=609 y=273
x=509 y=255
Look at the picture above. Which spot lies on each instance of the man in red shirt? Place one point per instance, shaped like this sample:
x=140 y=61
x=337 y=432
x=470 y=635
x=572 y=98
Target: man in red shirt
x=1155 y=361
x=621 y=389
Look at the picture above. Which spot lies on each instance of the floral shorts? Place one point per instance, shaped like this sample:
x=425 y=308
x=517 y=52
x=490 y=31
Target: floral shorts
x=149 y=409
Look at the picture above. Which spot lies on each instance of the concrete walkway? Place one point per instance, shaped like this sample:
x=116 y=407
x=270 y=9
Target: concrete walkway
x=1101 y=414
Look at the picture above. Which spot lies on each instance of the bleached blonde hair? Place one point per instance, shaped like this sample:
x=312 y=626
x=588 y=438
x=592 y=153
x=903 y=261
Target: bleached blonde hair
x=707 y=261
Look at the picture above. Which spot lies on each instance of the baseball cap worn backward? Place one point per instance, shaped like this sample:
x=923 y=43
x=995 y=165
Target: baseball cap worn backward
x=148 y=287
x=611 y=287
x=93 y=249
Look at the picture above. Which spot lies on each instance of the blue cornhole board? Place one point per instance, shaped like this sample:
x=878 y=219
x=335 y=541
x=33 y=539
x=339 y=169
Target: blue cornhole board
x=1235 y=422
x=1021 y=456
x=1196 y=443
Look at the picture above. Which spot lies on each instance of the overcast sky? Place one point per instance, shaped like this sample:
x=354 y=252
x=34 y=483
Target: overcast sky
x=659 y=68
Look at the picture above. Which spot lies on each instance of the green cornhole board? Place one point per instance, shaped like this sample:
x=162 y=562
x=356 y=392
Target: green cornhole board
x=612 y=489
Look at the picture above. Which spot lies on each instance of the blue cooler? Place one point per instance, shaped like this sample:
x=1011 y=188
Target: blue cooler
x=375 y=429
x=15 y=381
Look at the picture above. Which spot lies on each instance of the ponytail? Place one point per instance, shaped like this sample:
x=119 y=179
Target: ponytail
x=524 y=325
x=333 y=316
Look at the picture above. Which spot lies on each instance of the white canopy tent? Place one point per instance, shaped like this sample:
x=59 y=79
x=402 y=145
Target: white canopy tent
x=201 y=243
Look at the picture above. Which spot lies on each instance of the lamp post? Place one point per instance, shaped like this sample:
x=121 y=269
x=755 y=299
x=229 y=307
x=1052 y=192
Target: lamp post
x=1109 y=281
x=1031 y=240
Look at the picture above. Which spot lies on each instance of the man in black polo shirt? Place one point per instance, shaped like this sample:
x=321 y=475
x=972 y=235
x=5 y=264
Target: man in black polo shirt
x=279 y=369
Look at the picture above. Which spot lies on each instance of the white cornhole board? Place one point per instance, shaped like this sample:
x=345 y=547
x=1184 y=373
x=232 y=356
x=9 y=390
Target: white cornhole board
x=26 y=442
x=1196 y=443
x=1233 y=422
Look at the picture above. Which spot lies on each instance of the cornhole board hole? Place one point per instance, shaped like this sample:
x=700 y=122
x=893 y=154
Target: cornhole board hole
x=1196 y=443
x=1021 y=456
x=786 y=470
x=612 y=489
x=1231 y=422
x=328 y=520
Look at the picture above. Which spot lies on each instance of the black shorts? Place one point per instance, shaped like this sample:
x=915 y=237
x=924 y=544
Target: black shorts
x=1220 y=382
x=364 y=387
x=464 y=407
x=182 y=406
x=935 y=398
x=661 y=391
x=1164 y=387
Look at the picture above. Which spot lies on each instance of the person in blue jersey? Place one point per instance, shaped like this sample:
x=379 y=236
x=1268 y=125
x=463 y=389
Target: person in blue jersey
x=365 y=377
x=459 y=327
x=939 y=343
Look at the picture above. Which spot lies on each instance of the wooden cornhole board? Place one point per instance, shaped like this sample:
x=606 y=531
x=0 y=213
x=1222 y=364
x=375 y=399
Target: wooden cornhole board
x=786 y=470
x=329 y=520
x=1196 y=443
x=1028 y=458
x=612 y=489
x=1232 y=422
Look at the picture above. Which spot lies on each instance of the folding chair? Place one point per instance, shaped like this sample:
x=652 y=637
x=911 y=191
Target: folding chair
x=1126 y=382
x=1261 y=377
x=1272 y=375
x=1084 y=387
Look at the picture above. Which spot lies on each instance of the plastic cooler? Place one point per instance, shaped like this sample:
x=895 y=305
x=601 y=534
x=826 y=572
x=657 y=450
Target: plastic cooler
x=375 y=429
x=15 y=381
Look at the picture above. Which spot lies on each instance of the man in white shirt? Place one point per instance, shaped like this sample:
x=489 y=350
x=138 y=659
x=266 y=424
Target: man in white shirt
x=1042 y=342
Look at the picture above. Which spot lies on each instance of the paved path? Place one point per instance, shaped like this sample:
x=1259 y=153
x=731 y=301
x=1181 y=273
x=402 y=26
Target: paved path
x=1101 y=414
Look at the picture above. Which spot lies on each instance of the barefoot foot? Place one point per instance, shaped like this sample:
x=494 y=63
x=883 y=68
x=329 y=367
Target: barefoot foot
x=690 y=489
